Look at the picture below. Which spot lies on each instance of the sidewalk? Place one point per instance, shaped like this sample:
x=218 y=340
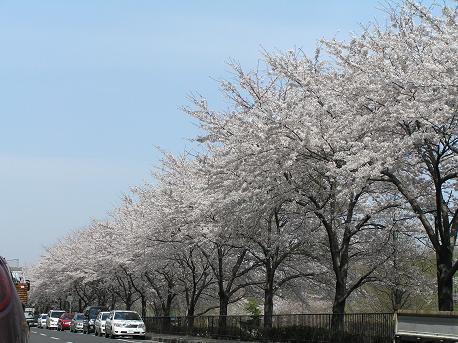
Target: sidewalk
x=166 y=338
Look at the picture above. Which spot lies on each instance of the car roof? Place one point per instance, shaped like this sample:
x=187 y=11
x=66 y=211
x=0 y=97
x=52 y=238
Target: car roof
x=125 y=311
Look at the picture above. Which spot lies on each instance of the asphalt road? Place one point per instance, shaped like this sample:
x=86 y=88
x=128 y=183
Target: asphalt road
x=48 y=336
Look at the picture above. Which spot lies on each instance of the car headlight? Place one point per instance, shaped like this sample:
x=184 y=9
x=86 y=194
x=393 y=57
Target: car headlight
x=141 y=326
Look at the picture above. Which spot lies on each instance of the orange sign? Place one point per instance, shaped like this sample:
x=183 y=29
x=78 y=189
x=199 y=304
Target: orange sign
x=21 y=289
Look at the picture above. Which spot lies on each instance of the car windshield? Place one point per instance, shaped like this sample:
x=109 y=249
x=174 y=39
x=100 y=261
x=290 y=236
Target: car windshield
x=127 y=316
x=44 y=316
x=105 y=316
x=67 y=316
x=79 y=317
x=57 y=314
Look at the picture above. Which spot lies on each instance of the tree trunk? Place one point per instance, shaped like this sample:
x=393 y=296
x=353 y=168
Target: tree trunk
x=113 y=301
x=223 y=304
x=444 y=261
x=268 y=301
x=101 y=299
x=340 y=296
x=338 y=308
x=128 y=301
x=223 y=296
x=190 y=318
x=143 y=306
x=167 y=306
x=442 y=235
x=170 y=296
x=268 y=308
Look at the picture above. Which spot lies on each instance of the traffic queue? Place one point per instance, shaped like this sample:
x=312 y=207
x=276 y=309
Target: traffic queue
x=15 y=322
x=97 y=320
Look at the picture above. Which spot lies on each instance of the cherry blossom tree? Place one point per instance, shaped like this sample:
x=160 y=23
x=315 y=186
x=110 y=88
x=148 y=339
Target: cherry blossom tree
x=401 y=80
x=284 y=143
x=297 y=181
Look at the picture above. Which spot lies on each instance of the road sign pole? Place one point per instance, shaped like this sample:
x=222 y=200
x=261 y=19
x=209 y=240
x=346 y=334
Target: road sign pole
x=70 y=299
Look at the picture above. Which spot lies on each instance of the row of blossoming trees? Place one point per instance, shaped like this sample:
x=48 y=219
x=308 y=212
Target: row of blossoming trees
x=328 y=178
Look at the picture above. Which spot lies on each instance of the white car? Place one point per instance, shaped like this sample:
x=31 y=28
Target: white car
x=53 y=318
x=42 y=320
x=124 y=323
x=99 y=325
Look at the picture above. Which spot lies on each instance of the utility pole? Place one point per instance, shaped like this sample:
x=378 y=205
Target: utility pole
x=70 y=299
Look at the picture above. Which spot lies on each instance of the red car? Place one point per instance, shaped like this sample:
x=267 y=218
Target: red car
x=64 y=321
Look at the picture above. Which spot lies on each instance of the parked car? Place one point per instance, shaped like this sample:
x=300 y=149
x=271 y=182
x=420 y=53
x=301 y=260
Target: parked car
x=64 y=321
x=124 y=323
x=13 y=326
x=90 y=314
x=42 y=320
x=35 y=319
x=77 y=322
x=30 y=317
x=53 y=318
x=99 y=325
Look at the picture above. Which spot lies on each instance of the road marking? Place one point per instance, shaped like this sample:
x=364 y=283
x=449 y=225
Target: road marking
x=33 y=331
x=43 y=334
x=54 y=337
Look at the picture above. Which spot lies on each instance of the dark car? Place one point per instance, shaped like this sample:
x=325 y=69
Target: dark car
x=13 y=326
x=90 y=315
x=35 y=320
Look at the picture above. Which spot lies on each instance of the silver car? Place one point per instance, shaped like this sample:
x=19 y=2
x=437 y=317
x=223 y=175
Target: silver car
x=77 y=322
x=99 y=325
x=42 y=320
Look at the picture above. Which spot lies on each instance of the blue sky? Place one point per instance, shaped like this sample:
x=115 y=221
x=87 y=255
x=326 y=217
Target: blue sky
x=89 y=88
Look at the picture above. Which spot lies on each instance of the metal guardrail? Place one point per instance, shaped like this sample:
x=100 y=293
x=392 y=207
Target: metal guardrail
x=311 y=328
